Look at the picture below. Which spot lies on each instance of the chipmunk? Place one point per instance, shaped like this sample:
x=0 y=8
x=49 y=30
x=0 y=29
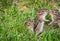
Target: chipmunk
x=58 y=20
x=38 y=28
x=30 y=25
x=55 y=17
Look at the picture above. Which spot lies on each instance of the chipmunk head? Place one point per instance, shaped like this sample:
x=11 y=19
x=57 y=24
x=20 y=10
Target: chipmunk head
x=53 y=12
x=30 y=23
x=42 y=12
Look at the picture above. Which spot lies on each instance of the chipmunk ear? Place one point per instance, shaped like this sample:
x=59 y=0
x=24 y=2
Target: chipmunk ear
x=47 y=10
x=39 y=10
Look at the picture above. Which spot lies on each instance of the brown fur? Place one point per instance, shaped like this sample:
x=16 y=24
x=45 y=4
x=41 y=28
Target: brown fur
x=40 y=19
x=55 y=17
x=30 y=25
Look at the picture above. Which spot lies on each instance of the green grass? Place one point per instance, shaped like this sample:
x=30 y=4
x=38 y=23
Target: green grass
x=13 y=27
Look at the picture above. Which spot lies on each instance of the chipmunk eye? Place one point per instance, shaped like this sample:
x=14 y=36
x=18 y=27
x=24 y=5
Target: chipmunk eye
x=29 y=23
x=55 y=12
x=42 y=11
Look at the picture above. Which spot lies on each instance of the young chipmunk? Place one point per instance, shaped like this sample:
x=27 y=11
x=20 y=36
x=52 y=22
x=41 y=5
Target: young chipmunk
x=55 y=17
x=38 y=28
x=30 y=25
